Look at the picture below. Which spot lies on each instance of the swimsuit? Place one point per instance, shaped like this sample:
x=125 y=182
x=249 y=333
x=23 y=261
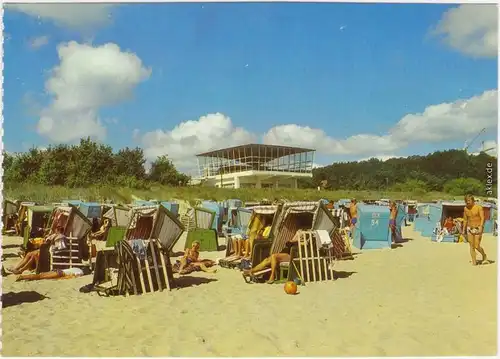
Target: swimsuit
x=392 y=224
x=354 y=220
x=473 y=230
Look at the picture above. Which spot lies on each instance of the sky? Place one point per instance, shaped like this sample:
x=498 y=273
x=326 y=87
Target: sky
x=353 y=81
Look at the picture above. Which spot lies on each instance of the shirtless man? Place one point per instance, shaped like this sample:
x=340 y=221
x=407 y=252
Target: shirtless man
x=353 y=210
x=473 y=228
x=392 y=219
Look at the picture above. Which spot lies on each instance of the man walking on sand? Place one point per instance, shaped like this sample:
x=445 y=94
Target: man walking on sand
x=353 y=211
x=473 y=227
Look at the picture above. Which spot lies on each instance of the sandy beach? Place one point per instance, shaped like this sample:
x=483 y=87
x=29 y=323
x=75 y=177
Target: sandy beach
x=420 y=299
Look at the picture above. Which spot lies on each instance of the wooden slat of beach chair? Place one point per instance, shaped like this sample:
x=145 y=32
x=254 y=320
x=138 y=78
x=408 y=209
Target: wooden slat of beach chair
x=155 y=262
x=330 y=265
x=301 y=264
x=128 y=263
x=163 y=266
x=141 y=277
x=148 y=273
x=310 y=254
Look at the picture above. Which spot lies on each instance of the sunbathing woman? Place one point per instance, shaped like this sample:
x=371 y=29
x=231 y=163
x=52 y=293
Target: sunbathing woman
x=191 y=258
x=57 y=274
x=31 y=258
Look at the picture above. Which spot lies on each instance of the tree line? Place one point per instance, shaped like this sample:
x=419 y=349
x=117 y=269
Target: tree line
x=452 y=171
x=90 y=163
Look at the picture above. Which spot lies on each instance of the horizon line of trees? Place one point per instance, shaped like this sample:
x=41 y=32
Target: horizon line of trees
x=452 y=171
x=90 y=163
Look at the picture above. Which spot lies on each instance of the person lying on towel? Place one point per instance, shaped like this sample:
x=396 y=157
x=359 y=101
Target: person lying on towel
x=30 y=261
x=57 y=274
x=191 y=261
x=273 y=261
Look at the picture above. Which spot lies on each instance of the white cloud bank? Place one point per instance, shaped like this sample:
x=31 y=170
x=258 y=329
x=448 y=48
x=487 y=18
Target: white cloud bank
x=87 y=79
x=471 y=29
x=68 y=15
x=457 y=120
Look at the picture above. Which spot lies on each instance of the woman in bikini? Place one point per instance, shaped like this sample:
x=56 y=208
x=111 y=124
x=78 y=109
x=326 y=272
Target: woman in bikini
x=192 y=258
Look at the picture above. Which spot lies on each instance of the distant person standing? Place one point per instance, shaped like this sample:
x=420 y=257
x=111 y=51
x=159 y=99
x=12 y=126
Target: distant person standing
x=392 y=220
x=353 y=211
x=473 y=227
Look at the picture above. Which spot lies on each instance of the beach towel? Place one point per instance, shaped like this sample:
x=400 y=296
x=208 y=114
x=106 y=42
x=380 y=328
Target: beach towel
x=193 y=266
x=323 y=239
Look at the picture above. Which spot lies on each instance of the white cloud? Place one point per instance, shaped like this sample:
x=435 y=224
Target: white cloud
x=458 y=120
x=305 y=136
x=183 y=142
x=471 y=29
x=87 y=79
x=447 y=121
x=68 y=15
x=38 y=42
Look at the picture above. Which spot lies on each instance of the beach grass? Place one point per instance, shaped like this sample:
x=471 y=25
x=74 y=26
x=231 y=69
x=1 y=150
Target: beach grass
x=46 y=194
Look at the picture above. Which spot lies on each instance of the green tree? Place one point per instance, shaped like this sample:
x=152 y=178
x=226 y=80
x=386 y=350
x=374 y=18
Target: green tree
x=164 y=172
x=462 y=186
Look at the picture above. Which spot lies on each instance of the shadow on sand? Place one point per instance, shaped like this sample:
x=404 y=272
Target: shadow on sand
x=11 y=299
x=480 y=262
x=399 y=243
x=348 y=257
x=188 y=281
x=342 y=274
x=10 y=246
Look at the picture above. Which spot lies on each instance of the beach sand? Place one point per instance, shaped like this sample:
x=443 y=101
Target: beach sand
x=421 y=299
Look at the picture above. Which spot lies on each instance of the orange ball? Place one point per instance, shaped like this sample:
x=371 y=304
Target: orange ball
x=290 y=288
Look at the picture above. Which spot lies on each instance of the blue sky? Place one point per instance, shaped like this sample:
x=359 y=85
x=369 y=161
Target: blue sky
x=179 y=79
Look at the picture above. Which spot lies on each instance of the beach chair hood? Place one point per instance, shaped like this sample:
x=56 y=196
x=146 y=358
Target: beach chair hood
x=166 y=228
x=75 y=223
x=9 y=208
x=204 y=218
x=322 y=220
x=119 y=216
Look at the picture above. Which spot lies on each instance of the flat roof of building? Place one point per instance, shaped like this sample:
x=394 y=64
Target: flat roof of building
x=252 y=149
